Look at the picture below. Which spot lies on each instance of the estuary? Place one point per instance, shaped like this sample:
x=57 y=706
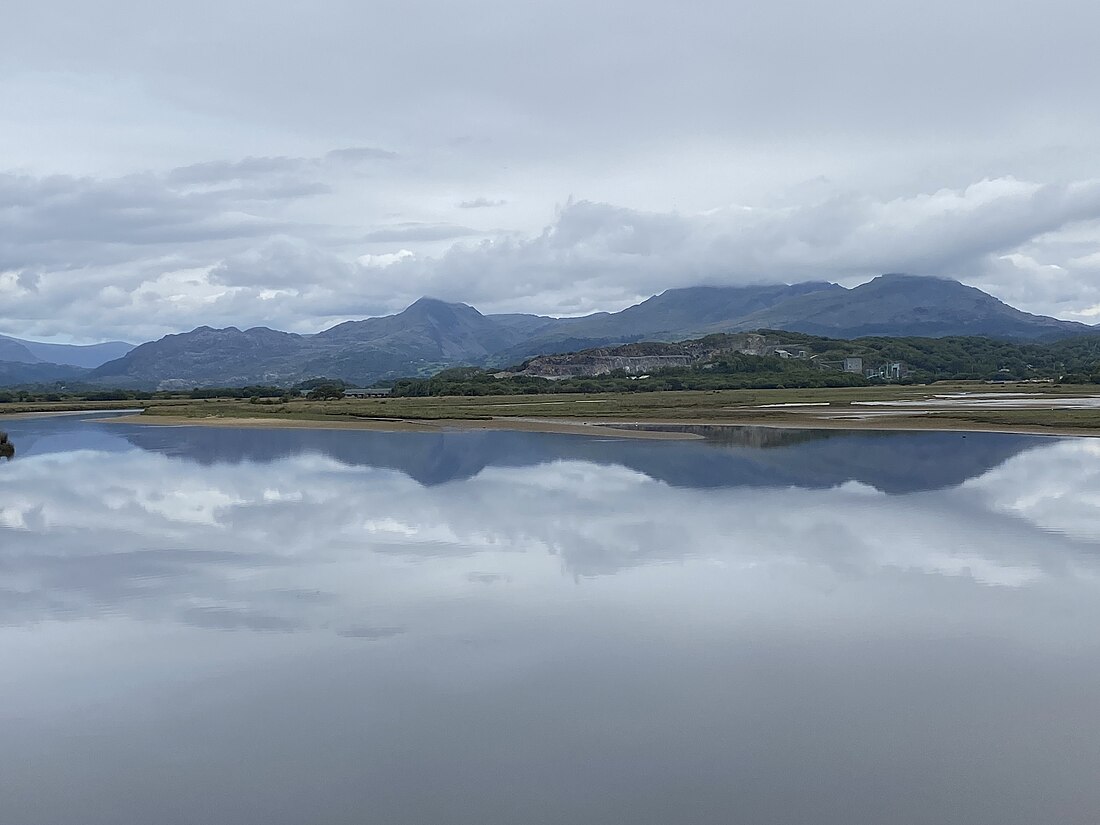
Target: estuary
x=231 y=625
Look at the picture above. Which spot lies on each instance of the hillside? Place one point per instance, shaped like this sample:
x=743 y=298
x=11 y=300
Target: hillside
x=772 y=359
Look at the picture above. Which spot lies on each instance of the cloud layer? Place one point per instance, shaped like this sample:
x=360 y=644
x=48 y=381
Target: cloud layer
x=207 y=170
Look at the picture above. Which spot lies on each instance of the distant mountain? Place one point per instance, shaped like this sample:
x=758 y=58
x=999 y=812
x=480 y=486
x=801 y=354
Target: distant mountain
x=431 y=334
x=15 y=351
x=14 y=373
x=907 y=305
x=90 y=356
x=674 y=314
x=210 y=357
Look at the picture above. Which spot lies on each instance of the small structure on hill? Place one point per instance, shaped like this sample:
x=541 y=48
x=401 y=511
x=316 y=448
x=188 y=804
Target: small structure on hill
x=894 y=371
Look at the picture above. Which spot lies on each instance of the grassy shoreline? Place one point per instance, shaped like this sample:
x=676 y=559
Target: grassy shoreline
x=867 y=408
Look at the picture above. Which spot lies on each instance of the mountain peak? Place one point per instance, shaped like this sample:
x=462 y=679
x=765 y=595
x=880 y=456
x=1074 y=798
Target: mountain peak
x=428 y=303
x=928 y=286
x=896 y=278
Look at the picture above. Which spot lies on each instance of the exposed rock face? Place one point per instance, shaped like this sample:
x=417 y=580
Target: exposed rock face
x=584 y=364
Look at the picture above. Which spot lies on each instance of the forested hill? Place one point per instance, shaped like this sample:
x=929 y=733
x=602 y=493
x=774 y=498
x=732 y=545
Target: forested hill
x=772 y=358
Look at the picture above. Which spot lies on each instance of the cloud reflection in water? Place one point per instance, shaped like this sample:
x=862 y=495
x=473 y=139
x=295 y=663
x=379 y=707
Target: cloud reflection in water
x=307 y=541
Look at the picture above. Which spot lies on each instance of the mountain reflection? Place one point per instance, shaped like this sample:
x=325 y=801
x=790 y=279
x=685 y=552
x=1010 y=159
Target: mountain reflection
x=727 y=457
x=291 y=530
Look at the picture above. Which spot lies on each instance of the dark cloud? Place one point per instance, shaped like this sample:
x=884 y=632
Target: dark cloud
x=63 y=221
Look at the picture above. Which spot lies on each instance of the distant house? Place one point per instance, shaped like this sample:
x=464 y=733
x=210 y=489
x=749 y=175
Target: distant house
x=368 y=392
x=853 y=364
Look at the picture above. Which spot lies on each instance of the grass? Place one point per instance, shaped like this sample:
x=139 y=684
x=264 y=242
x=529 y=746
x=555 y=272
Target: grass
x=1024 y=419
x=78 y=405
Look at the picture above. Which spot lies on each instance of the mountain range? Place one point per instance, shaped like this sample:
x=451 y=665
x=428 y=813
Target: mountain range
x=431 y=334
x=18 y=351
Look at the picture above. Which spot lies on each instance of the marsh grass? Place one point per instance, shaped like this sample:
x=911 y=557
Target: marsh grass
x=741 y=405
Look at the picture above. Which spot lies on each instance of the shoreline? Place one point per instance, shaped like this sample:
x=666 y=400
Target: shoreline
x=405 y=425
x=614 y=428
x=134 y=411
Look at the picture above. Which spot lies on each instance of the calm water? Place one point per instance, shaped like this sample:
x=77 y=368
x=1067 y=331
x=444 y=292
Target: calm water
x=243 y=626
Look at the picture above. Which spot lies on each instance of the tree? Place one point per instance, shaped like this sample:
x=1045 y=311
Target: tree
x=327 y=390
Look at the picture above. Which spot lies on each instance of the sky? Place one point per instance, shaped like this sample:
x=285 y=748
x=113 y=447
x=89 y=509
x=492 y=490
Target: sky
x=292 y=165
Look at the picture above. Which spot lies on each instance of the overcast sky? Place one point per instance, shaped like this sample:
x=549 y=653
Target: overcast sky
x=166 y=165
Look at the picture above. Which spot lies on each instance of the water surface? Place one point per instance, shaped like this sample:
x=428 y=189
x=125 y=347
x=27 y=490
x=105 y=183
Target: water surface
x=273 y=626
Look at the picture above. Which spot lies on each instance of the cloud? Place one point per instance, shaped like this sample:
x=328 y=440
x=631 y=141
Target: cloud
x=412 y=232
x=356 y=154
x=282 y=261
x=226 y=171
x=155 y=254
x=608 y=250
x=225 y=243
x=480 y=203
x=252 y=168
x=697 y=144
